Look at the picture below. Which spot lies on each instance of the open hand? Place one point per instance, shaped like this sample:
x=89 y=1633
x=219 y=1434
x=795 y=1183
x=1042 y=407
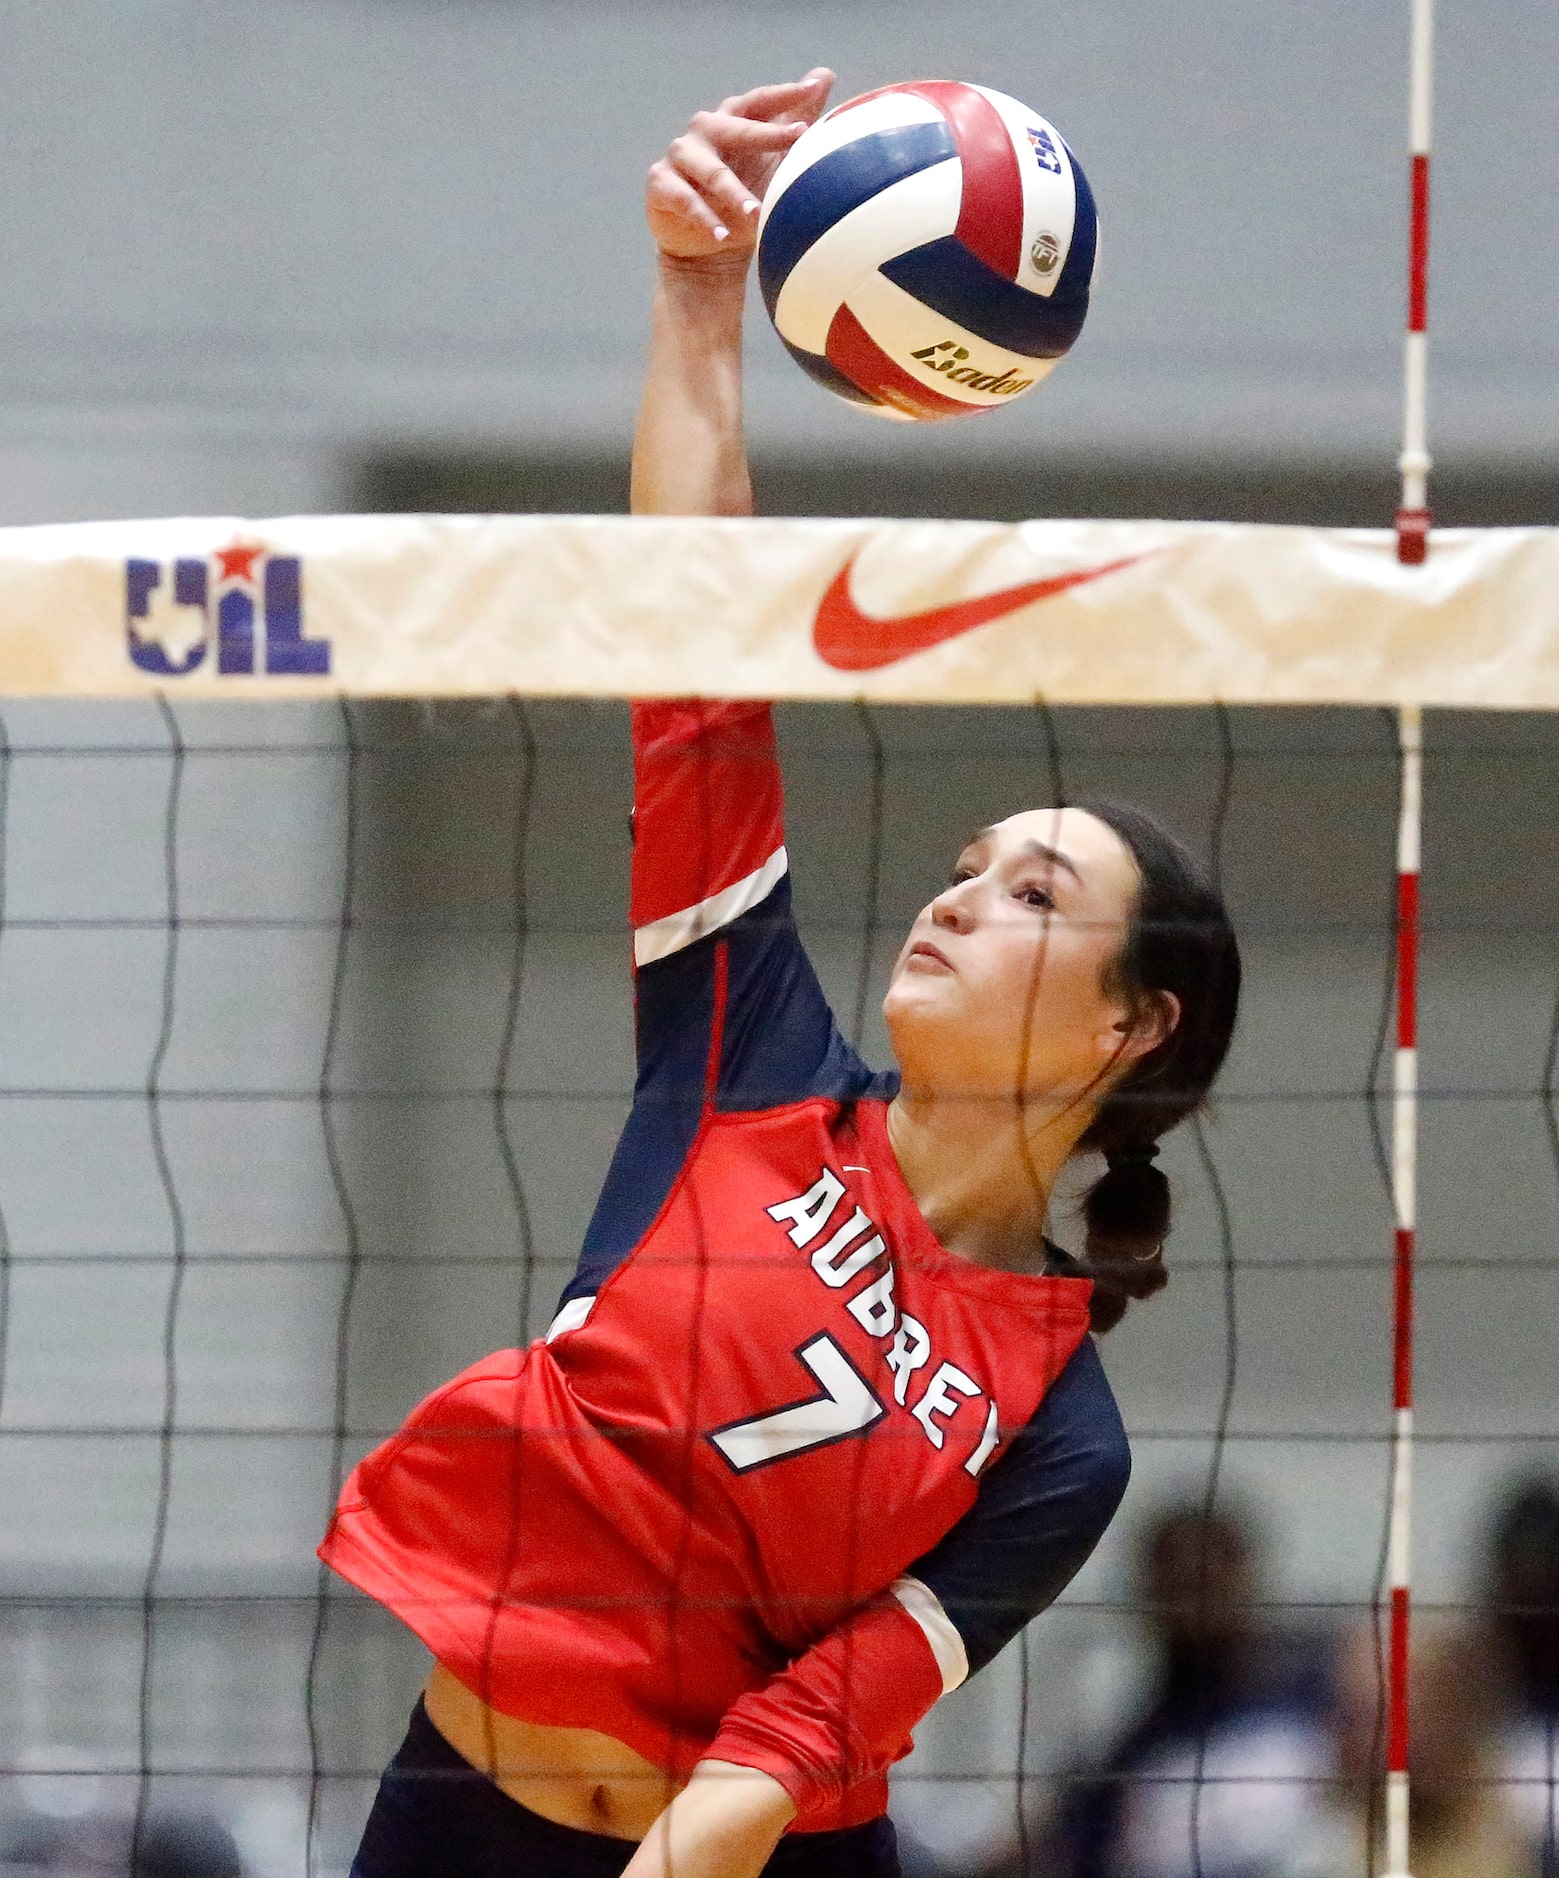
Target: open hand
x=703 y=195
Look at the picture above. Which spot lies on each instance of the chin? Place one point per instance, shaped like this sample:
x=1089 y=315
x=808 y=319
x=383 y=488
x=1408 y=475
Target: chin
x=924 y=1024
x=915 y=997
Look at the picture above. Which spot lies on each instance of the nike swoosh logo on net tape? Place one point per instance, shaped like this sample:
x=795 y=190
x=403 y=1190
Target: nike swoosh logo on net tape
x=852 y=641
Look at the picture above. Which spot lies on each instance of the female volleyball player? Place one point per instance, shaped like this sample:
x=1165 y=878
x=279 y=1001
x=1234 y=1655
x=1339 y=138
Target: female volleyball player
x=819 y=1425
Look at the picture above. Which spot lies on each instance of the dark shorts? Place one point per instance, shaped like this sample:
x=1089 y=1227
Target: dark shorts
x=436 y=1816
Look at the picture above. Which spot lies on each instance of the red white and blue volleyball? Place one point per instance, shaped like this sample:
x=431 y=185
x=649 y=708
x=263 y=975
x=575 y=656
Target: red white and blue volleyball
x=926 y=250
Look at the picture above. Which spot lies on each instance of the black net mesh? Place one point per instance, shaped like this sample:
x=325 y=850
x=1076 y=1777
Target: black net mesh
x=314 y=1043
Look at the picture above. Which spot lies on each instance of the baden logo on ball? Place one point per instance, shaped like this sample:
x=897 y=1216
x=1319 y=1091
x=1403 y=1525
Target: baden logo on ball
x=926 y=250
x=948 y=357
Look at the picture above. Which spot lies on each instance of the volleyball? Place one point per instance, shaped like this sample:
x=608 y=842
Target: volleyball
x=926 y=250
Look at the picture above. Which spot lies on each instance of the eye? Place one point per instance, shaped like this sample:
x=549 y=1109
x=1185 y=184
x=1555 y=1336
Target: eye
x=1038 y=896
x=959 y=875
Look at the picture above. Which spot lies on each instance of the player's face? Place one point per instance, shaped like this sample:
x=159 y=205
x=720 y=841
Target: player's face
x=1004 y=986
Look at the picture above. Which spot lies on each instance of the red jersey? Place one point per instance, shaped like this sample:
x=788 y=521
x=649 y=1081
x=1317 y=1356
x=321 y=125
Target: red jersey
x=735 y=1505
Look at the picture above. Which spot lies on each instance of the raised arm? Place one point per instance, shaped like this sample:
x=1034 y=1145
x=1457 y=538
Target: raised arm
x=689 y=458
x=702 y=204
x=728 y=1011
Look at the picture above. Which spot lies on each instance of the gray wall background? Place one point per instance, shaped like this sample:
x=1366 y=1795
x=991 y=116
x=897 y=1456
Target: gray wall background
x=465 y=818
x=250 y=250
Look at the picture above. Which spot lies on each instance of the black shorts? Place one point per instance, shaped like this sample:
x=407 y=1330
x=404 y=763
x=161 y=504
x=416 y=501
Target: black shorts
x=436 y=1816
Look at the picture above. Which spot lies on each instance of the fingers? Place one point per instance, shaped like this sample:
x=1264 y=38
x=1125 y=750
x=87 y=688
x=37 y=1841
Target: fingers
x=801 y=98
x=697 y=161
x=709 y=183
x=673 y=197
x=730 y=159
x=760 y=132
x=738 y=137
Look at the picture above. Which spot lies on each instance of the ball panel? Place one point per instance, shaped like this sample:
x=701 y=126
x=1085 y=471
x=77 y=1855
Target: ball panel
x=829 y=189
x=828 y=375
x=946 y=277
x=853 y=350
x=938 y=354
x=896 y=218
x=1049 y=199
x=991 y=222
x=863 y=97
x=888 y=109
x=1082 y=257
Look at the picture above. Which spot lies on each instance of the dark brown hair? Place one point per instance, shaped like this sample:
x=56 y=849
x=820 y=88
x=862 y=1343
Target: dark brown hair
x=1180 y=941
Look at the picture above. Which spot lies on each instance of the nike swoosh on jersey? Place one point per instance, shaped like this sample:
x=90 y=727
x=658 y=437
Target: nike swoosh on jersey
x=852 y=641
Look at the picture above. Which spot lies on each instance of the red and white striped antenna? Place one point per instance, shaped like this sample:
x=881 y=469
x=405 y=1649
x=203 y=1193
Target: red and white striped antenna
x=1413 y=521
x=1413 y=515
x=1404 y=1197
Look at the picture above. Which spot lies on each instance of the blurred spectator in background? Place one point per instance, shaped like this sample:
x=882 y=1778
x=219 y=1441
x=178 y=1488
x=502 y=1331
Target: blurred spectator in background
x=58 y=1844
x=1523 y=1597
x=1462 y=1824
x=1223 y=1774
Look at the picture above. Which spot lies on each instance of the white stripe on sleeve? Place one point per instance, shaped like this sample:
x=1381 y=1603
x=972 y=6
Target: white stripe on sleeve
x=661 y=937
x=572 y=1315
x=941 y=1633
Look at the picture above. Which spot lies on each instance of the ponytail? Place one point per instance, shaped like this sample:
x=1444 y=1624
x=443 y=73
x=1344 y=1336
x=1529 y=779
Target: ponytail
x=1126 y=1216
x=1180 y=942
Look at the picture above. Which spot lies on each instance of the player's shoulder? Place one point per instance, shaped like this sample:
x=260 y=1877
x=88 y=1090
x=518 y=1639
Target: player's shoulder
x=1079 y=1422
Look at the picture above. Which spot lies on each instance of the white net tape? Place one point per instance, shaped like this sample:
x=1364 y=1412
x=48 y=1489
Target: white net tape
x=931 y=612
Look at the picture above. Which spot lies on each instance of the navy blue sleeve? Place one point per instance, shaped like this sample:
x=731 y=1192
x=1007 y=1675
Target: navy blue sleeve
x=728 y=1012
x=1042 y=1508
x=778 y=1043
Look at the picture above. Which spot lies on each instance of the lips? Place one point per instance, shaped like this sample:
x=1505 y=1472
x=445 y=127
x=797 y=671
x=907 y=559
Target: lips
x=923 y=949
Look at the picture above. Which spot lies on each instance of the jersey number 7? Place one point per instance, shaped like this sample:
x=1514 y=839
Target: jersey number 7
x=848 y=1406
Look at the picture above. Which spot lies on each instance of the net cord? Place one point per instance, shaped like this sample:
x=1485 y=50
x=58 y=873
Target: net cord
x=1404 y=1182
x=682 y=1550
x=525 y=749
x=1231 y=1324
x=870 y=933
x=178 y=1266
x=519 y=892
x=351 y=1272
x=1020 y=1792
x=1413 y=517
x=1227 y=1267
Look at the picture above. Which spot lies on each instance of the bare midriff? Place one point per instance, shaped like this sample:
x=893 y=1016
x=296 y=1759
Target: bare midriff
x=572 y=1776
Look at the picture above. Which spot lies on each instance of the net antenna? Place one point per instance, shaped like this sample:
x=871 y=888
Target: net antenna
x=1413 y=523
x=1413 y=516
x=1404 y=1194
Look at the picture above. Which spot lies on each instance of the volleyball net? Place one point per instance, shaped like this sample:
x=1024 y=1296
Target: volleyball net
x=316 y=1038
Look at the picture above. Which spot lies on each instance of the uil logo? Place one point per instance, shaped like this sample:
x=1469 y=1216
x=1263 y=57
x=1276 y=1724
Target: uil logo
x=246 y=601
x=1044 y=147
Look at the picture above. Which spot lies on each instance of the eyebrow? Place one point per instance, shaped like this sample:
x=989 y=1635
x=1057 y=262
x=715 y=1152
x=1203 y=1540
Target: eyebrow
x=1041 y=850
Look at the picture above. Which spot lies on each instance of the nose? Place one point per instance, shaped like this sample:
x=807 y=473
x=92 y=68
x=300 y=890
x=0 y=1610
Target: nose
x=953 y=908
